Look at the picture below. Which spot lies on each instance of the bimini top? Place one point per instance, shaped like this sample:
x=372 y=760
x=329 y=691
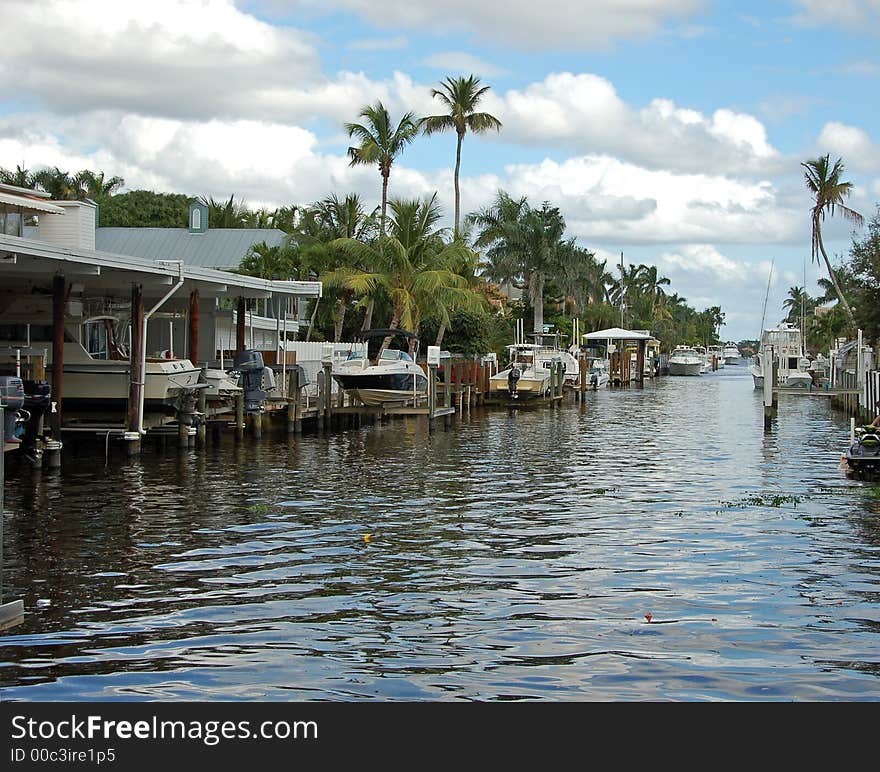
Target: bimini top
x=364 y=334
x=616 y=333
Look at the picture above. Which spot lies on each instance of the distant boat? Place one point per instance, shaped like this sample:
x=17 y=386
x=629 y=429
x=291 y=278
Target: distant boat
x=715 y=353
x=731 y=354
x=788 y=354
x=685 y=360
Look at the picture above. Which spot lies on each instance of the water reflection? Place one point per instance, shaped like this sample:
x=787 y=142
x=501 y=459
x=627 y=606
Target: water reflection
x=515 y=556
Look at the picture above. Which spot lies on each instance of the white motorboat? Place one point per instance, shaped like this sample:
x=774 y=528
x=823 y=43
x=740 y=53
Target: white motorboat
x=527 y=375
x=598 y=372
x=792 y=365
x=685 y=360
x=393 y=378
x=221 y=384
x=96 y=365
x=731 y=354
x=551 y=349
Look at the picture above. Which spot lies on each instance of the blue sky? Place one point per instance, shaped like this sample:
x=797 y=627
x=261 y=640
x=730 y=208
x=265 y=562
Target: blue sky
x=669 y=130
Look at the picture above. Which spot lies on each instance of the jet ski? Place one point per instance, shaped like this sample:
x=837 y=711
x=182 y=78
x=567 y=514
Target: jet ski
x=862 y=457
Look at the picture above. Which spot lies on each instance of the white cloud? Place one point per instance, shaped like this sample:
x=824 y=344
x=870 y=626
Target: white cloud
x=852 y=144
x=862 y=67
x=552 y=24
x=167 y=57
x=607 y=200
x=379 y=44
x=585 y=112
x=852 y=14
x=462 y=63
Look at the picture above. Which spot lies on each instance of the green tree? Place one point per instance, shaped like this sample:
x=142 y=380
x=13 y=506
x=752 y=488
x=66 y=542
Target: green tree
x=829 y=192
x=380 y=143
x=460 y=97
x=226 y=214
x=413 y=264
x=525 y=243
x=144 y=209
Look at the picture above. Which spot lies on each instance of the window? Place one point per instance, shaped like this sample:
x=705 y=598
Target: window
x=196 y=223
x=10 y=223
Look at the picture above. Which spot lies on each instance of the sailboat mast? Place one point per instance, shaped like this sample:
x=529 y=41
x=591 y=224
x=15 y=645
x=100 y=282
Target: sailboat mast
x=622 y=291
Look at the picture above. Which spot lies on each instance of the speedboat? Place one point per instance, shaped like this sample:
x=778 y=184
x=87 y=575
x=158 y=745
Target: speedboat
x=685 y=360
x=551 y=349
x=393 y=378
x=528 y=373
x=598 y=375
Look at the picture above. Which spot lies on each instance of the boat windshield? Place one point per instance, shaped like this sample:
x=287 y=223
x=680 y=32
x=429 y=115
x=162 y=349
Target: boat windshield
x=392 y=355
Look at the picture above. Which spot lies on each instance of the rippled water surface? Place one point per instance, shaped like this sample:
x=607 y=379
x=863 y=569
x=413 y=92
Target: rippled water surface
x=515 y=556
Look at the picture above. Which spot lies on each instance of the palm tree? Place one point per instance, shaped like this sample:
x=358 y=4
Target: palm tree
x=829 y=192
x=380 y=144
x=226 y=214
x=92 y=185
x=461 y=97
x=343 y=218
x=526 y=243
x=414 y=265
x=21 y=177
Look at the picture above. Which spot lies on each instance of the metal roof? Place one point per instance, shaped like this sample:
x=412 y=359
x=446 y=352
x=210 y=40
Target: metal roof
x=26 y=260
x=220 y=248
x=29 y=204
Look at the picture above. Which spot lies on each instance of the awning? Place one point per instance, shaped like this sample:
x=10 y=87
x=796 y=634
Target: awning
x=616 y=333
x=29 y=204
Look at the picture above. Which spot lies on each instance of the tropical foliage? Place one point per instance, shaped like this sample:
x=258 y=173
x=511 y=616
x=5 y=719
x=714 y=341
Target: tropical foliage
x=465 y=287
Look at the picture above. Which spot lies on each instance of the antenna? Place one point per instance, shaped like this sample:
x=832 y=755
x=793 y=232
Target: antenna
x=766 y=295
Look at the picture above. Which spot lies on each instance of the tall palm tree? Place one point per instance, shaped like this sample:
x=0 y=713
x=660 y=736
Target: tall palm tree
x=829 y=191
x=460 y=96
x=380 y=143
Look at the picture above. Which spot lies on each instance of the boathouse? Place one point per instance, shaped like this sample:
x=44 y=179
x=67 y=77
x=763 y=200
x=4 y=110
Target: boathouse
x=58 y=272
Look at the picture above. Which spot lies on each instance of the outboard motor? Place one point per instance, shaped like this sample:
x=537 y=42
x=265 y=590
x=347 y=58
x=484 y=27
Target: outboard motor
x=249 y=365
x=512 y=378
x=37 y=402
x=12 y=398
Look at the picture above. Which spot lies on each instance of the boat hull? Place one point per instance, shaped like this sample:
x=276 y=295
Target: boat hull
x=101 y=383
x=383 y=388
x=684 y=368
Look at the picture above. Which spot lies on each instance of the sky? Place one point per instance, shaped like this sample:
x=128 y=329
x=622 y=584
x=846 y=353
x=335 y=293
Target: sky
x=671 y=132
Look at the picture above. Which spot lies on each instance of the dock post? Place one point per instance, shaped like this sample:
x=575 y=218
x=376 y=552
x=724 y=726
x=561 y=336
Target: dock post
x=328 y=392
x=203 y=417
x=12 y=612
x=292 y=399
x=432 y=395
x=768 y=370
x=257 y=424
x=239 y=415
x=582 y=378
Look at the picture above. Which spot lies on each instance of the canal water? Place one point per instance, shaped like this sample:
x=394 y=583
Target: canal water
x=657 y=544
